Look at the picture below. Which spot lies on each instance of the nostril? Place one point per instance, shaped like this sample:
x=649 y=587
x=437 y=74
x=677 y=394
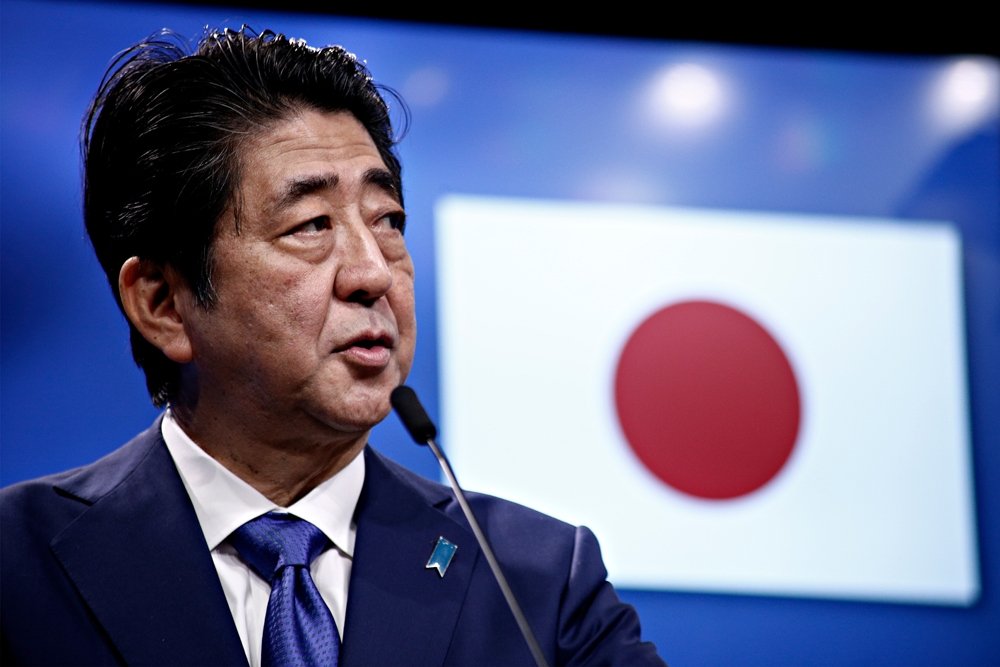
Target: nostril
x=363 y=297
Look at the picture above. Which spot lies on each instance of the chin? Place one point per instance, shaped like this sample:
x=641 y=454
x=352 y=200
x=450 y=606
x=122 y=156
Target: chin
x=357 y=403
x=360 y=415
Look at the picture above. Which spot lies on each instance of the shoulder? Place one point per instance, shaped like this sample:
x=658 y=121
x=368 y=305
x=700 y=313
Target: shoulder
x=556 y=570
x=41 y=507
x=532 y=547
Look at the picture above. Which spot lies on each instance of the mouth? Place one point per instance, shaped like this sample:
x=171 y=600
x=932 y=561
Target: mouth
x=369 y=348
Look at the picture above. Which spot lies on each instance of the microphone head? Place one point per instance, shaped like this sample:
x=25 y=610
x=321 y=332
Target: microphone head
x=406 y=404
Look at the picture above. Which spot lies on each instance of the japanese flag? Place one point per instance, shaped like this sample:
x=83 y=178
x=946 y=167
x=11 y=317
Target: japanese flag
x=734 y=402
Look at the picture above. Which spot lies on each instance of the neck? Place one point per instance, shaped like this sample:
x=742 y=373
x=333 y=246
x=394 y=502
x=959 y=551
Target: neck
x=283 y=469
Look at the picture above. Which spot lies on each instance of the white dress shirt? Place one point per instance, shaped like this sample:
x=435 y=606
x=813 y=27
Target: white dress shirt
x=224 y=502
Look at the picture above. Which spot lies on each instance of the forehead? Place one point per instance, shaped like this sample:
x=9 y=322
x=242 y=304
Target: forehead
x=307 y=145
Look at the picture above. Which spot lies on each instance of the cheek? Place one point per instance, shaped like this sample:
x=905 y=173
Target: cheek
x=403 y=296
x=282 y=304
x=404 y=311
x=299 y=306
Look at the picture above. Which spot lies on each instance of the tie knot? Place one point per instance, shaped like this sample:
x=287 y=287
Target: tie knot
x=274 y=540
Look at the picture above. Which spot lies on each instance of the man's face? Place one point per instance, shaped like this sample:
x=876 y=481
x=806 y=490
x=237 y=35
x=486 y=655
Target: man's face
x=313 y=324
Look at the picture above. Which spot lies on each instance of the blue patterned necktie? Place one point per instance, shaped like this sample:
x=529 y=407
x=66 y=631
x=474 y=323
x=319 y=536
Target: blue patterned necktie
x=298 y=627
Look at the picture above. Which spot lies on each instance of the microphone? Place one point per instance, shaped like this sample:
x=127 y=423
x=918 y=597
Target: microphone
x=407 y=406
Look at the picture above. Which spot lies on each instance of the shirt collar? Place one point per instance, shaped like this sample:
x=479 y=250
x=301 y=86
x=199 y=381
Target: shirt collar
x=223 y=502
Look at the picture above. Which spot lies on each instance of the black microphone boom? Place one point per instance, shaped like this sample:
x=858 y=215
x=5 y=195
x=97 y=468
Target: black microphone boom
x=404 y=400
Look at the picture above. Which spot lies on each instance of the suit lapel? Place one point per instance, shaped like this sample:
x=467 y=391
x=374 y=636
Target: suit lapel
x=139 y=559
x=397 y=609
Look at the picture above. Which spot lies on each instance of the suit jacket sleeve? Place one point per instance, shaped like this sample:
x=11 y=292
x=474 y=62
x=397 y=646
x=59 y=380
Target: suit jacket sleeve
x=595 y=627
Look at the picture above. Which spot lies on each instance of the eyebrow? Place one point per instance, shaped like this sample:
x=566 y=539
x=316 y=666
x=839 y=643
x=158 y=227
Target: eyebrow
x=297 y=189
x=384 y=180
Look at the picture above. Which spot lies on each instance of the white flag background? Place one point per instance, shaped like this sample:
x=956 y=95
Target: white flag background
x=537 y=300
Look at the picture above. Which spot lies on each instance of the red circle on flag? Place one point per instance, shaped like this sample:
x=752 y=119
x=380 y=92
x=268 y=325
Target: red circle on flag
x=707 y=400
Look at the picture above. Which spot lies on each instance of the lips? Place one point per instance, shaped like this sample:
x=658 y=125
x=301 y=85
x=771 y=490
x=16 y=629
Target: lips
x=369 y=348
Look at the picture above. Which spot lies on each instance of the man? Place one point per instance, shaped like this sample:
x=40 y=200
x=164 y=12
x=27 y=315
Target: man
x=246 y=205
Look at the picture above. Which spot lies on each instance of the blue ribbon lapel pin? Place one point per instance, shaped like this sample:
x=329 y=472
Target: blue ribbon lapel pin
x=441 y=557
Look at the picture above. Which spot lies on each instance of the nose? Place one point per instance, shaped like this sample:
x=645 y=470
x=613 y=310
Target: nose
x=363 y=275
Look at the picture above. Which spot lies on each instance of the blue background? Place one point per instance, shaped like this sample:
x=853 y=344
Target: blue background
x=528 y=115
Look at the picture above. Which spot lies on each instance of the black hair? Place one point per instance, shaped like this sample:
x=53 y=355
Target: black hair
x=161 y=145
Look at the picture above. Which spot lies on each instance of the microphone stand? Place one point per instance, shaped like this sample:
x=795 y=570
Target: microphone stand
x=423 y=431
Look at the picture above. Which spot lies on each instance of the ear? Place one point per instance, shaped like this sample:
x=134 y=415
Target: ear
x=155 y=298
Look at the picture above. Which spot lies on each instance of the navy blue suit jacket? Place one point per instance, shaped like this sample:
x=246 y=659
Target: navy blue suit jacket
x=107 y=564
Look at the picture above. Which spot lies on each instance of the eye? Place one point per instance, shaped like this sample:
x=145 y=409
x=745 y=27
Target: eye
x=395 y=220
x=311 y=226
